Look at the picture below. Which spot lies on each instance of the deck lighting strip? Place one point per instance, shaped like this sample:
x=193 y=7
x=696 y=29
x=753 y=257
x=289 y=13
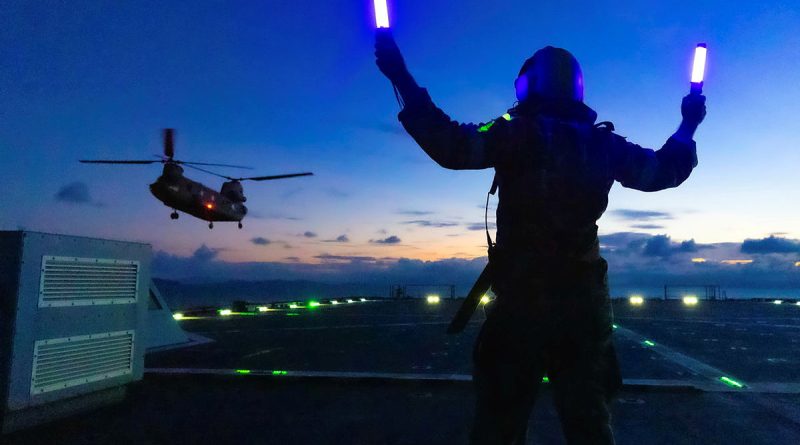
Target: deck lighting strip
x=731 y=382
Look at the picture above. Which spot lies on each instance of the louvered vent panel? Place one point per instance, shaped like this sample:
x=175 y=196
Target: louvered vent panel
x=66 y=362
x=68 y=281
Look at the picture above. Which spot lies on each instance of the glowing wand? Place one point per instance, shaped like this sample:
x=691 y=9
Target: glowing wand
x=381 y=14
x=698 y=68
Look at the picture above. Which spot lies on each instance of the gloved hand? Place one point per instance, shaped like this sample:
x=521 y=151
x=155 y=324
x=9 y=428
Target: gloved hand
x=693 y=109
x=388 y=57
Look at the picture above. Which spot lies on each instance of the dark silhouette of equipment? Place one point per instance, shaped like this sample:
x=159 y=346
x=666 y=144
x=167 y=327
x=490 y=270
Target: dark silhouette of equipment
x=703 y=291
x=181 y=193
x=401 y=291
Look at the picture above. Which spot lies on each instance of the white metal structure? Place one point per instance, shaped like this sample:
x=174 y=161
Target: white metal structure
x=72 y=315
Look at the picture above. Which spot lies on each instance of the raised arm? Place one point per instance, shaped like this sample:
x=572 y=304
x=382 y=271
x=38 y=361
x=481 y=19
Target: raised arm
x=647 y=170
x=450 y=144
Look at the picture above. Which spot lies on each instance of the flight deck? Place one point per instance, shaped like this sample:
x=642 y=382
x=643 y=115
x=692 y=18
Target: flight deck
x=385 y=372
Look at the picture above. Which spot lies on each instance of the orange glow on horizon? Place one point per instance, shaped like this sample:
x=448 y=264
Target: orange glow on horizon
x=699 y=260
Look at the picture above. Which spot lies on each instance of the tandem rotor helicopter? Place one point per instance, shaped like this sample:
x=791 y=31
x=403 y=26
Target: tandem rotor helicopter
x=181 y=193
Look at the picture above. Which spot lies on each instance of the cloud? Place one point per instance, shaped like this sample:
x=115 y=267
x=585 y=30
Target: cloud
x=429 y=223
x=339 y=239
x=640 y=215
x=689 y=246
x=414 y=212
x=647 y=226
x=389 y=240
x=260 y=241
x=771 y=244
x=659 y=245
x=76 y=193
x=345 y=258
x=667 y=262
x=662 y=246
x=629 y=244
x=481 y=226
x=309 y=234
x=373 y=273
x=205 y=254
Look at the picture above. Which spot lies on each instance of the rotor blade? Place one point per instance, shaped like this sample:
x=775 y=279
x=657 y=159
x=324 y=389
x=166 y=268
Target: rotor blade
x=209 y=172
x=116 y=162
x=169 y=142
x=269 y=178
x=213 y=165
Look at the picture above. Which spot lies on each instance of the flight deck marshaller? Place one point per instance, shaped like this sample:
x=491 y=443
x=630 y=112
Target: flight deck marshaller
x=554 y=167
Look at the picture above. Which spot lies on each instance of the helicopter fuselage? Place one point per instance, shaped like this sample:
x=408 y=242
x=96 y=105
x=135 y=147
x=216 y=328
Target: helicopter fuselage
x=181 y=193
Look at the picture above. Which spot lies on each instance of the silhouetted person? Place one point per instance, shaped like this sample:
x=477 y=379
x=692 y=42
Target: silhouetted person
x=554 y=168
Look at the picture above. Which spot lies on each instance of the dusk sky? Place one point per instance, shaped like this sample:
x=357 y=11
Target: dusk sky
x=287 y=86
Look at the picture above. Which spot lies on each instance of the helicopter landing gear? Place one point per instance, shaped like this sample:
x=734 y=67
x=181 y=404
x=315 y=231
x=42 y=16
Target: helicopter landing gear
x=211 y=225
x=240 y=225
x=174 y=215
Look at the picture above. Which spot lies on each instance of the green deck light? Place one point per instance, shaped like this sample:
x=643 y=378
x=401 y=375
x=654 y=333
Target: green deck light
x=507 y=117
x=292 y=314
x=243 y=371
x=225 y=312
x=545 y=379
x=313 y=303
x=485 y=299
x=614 y=326
x=263 y=309
x=731 y=382
x=648 y=343
x=293 y=306
x=279 y=372
x=177 y=316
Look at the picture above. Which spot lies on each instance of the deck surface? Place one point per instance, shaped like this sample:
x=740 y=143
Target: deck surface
x=366 y=373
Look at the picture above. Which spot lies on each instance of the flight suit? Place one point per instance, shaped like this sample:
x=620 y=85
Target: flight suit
x=554 y=168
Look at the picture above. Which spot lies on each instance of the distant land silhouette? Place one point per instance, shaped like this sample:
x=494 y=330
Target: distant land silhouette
x=180 y=294
x=187 y=294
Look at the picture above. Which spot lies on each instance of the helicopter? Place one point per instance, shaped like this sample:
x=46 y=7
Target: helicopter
x=181 y=193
